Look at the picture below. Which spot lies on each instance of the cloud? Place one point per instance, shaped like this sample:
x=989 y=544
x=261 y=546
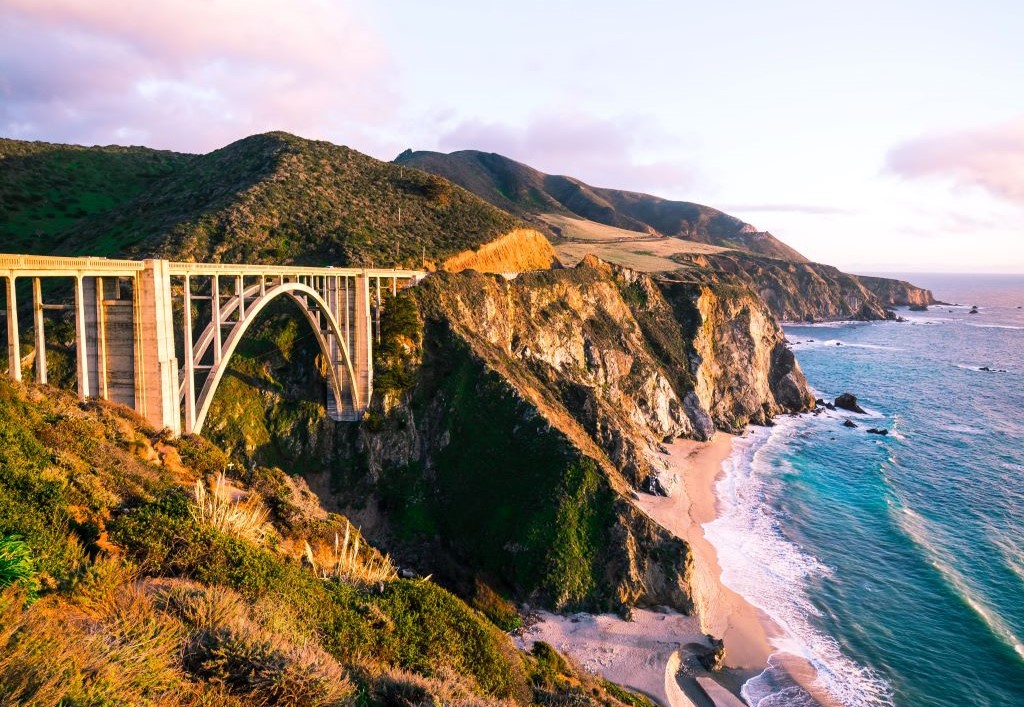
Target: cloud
x=810 y=209
x=990 y=158
x=186 y=74
x=601 y=152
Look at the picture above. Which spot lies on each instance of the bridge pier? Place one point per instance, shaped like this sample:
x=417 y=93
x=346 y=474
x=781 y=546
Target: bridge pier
x=156 y=373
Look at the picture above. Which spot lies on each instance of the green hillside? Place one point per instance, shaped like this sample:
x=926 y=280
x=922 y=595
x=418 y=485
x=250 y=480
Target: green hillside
x=122 y=584
x=266 y=198
x=46 y=189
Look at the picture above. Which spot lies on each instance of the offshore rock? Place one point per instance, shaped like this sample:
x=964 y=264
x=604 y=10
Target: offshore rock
x=848 y=401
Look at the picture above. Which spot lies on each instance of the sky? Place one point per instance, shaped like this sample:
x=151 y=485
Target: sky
x=876 y=136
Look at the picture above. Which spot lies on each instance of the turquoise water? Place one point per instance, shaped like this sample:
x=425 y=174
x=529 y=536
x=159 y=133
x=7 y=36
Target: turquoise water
x=895 y=564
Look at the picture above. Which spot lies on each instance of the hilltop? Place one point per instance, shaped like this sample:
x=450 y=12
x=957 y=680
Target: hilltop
x=273 y=197
x=546 y=200
x=675 y=239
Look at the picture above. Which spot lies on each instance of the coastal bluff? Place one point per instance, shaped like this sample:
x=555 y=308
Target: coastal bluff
x=529 y=412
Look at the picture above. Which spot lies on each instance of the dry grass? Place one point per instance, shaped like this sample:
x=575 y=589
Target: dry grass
x=214 y=507
x=342 y=561
x=575 y=228
x=394 y=686
x=116 y=651
x=517 y=251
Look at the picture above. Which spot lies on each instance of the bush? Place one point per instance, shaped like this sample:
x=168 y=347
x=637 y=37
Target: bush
x=17 y=566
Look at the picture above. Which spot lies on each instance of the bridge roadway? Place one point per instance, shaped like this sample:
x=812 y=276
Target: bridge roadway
x=157 y=335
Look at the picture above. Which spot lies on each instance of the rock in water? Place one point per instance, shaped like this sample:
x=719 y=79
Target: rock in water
x=877 y=431
x=849 y=423
x=848 y=401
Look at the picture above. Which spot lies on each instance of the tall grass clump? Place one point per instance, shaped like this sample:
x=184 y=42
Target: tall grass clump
x=342 y=561
x=214 y=507
x=17 y=565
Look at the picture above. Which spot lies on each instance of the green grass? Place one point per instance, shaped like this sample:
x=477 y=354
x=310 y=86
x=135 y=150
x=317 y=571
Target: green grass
x=46 y=189
x=17 y=567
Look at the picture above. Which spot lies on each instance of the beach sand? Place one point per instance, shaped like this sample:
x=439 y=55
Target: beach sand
x=693 y=469
x=646 y=653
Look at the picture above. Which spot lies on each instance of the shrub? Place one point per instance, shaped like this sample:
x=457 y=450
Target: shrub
x=17 y=565
x=342 y=561
x=244 y=519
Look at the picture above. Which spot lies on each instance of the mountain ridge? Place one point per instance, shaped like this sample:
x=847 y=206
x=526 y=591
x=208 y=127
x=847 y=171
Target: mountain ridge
x=526 y=192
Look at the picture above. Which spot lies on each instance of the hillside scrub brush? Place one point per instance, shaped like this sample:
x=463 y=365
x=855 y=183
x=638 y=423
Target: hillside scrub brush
x=245 y=519
x=343 y=562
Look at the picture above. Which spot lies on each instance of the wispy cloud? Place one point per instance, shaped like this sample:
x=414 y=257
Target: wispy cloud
x=990 y=158
x=810 y=209
x=189 y=74
x=602 y=152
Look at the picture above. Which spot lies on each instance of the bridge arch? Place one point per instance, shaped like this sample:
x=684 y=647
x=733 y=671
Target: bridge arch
x=318 y=315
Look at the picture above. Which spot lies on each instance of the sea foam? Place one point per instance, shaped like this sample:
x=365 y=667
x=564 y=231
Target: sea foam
x=771 y=572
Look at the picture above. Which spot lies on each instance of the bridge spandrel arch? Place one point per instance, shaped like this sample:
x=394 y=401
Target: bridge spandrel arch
x=341 y=376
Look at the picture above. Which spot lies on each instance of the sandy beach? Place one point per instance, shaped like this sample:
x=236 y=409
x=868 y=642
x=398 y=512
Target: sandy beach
x=693 y=469
x=646 y=653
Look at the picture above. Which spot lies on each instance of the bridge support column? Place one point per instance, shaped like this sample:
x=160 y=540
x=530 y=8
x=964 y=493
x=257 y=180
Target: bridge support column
x=40 y=328
x=82 y=339
x=93 y=381
x=156 y=369
x=13 y=343
x=118 y=332
x=363 y=349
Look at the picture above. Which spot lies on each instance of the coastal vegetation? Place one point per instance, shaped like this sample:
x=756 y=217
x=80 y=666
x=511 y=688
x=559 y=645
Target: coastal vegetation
x=267 y=198
x=125 y=585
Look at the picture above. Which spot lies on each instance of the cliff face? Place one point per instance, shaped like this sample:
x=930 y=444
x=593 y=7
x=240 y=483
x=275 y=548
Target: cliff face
x=518 y=250
x=513 y=419
x=807 y=291
x=897 y=293
x=531 y=412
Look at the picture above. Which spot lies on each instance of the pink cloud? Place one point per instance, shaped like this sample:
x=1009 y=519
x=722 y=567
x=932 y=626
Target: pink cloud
x=601 y=152
x=188 y=74
x=990 y=158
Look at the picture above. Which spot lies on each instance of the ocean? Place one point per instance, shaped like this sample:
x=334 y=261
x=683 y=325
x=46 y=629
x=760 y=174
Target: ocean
x=895 y=563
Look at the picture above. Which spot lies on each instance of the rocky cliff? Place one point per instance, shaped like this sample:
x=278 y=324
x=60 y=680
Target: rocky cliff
x=527 y=411
x=806 y=291
x=897 y=293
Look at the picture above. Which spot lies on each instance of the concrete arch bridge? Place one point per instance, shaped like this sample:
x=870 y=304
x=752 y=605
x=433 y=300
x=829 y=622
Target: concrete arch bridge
x=158 y=335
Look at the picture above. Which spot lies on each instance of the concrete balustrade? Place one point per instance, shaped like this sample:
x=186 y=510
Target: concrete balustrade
x=139 y=339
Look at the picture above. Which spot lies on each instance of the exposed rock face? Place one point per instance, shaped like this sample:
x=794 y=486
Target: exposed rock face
x=513 y=419
x=808 y=291
x=898 y=293
x=535 y=404
x=518 y=250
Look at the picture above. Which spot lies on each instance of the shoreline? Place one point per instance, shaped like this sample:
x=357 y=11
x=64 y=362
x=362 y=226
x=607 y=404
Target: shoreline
x=646 y=653
x=696 y=468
